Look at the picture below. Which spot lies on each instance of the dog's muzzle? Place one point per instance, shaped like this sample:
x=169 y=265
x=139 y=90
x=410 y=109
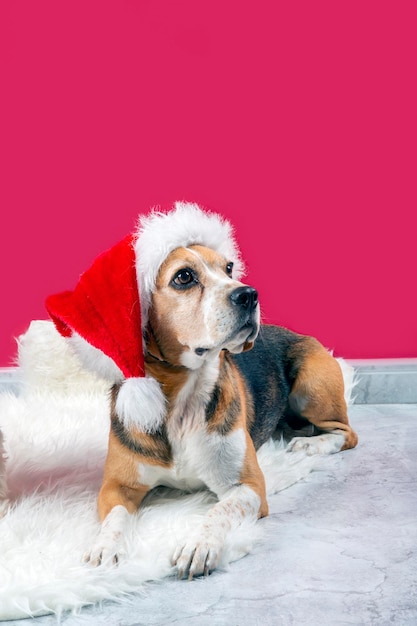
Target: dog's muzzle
x=245 y=302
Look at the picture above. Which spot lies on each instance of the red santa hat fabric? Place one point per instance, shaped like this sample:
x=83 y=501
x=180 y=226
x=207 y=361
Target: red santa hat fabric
x=104 y=308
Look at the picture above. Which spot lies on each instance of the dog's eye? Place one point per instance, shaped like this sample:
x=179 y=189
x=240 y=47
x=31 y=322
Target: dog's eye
x=229 y=269
x=184 y=278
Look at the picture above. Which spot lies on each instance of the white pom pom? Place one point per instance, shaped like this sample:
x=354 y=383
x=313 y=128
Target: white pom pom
x=141 y=404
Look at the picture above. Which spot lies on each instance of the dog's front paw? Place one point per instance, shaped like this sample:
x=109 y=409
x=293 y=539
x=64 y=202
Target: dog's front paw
x=197 y=557
x=106 y=548
x=101 y=555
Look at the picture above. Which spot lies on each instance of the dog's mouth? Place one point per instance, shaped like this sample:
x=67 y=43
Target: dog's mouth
x=249 y=329
x=236 y=340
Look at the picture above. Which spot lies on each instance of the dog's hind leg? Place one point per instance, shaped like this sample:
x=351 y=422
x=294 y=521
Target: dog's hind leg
x=317 y=395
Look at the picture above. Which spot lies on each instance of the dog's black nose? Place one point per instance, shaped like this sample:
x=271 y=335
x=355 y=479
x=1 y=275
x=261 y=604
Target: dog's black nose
x=244 y=297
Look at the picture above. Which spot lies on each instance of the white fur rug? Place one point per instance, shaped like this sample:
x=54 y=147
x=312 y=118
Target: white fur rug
x=56 y=437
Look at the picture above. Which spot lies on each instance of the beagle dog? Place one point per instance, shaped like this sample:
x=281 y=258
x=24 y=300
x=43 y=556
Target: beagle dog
x=228 y=383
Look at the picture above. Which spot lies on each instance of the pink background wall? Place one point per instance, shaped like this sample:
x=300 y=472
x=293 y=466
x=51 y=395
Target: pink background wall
x=297 y=120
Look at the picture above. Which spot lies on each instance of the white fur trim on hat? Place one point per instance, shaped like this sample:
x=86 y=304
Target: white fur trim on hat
x=140 y=404
x=160 y=233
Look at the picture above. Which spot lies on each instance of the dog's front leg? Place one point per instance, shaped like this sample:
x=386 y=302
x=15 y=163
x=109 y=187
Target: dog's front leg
x=245 y=500
x=115 y=503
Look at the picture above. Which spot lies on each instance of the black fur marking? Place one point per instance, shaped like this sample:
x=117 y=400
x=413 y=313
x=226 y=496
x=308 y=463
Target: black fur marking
x=269 y=371
x=152 y=446
x=217 y=405
x=232 y=414
x=212 y=405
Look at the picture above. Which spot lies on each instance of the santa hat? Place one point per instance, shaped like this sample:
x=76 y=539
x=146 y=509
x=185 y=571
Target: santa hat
x=109 y=306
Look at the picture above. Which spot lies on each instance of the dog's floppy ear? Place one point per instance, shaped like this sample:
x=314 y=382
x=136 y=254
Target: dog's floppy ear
x=152 y=347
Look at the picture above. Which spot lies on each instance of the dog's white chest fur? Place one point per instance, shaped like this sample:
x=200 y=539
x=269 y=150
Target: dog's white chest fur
x=201 y=458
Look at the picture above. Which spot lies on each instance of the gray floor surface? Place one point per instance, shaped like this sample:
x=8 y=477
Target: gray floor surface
x=339 y=548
